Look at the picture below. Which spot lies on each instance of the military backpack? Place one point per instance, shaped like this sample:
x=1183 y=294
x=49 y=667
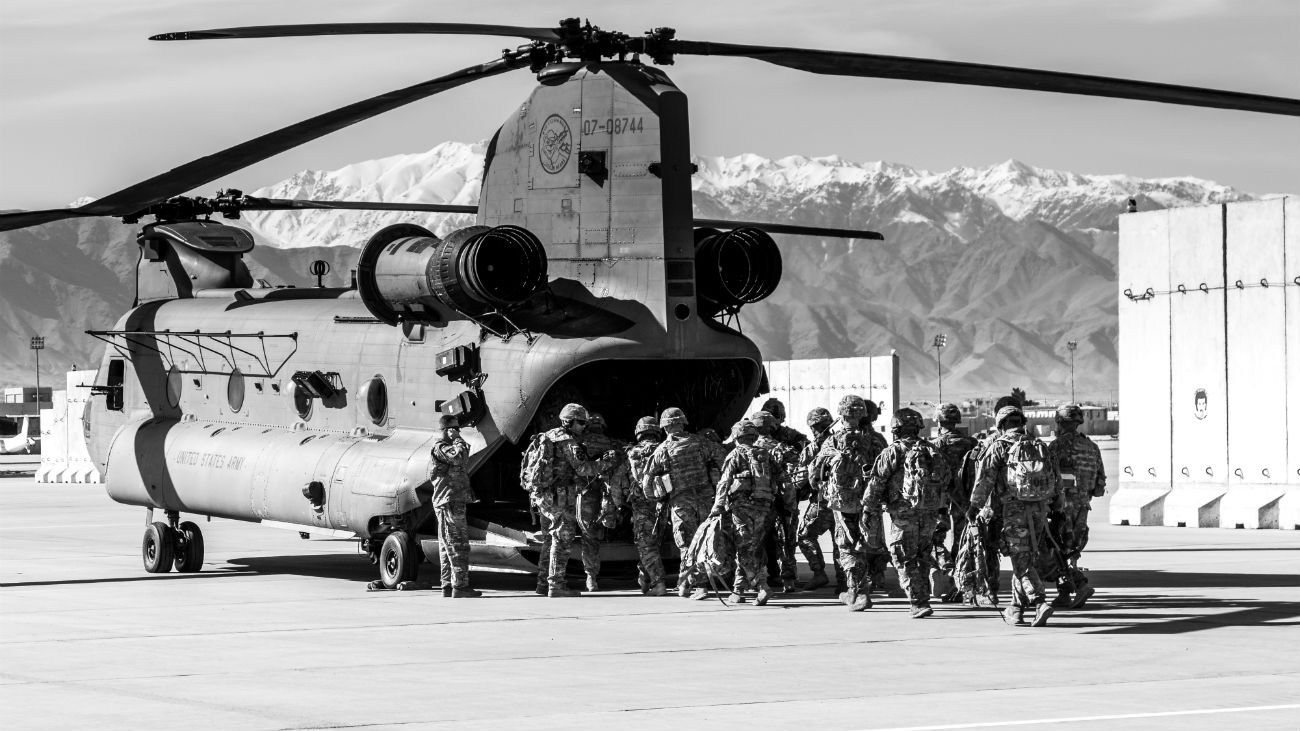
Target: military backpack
x=1029 y=470
x=926 y=476
x=537 y=470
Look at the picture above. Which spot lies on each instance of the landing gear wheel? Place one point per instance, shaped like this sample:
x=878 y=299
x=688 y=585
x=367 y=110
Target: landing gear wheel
x=157 y=548
x=189 y=548
x=397 y=559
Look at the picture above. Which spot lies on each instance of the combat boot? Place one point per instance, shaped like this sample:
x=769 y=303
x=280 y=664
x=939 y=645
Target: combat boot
x=1041 y=613
x=1082 y=597
x=699 y=594
x=788 y=586
x=683 y=589
x=859 y=601
x=542 y=587
x=922 y=611
x=558 y=592
x=592 y=583
x=818 y=581
x=446 y=590
x=736 y=598
x=1063 y=599
x=657 y=590
x=464 y=592
x=1014 y=615
x=763 y=595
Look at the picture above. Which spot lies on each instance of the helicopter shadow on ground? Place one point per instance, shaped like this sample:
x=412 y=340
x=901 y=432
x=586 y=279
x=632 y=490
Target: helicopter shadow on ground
x=1130 y=602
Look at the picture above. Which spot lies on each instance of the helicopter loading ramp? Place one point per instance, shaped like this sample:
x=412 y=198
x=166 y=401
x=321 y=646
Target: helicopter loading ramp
x=1209 y=366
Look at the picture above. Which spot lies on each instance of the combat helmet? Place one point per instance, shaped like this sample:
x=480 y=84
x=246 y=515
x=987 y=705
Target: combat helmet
x=947 y=414
x=819 y=417
x=647 y=425
x=596 y=423
x=573 y=412
x=763 y=421
x=852 y=408
x=1069 y=412
x=907 y=420
x=743 y=428
x=672 y=415
x=1007 y=412
x=774 y=407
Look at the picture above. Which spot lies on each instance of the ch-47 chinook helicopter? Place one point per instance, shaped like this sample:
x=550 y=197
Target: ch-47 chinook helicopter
x=586 y=277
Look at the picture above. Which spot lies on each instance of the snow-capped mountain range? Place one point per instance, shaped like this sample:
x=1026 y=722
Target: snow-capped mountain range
x=1010 y=261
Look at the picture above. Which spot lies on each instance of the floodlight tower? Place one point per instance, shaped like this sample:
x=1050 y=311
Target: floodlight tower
x=940 y=341
x=38 y=344
x=1073 y=346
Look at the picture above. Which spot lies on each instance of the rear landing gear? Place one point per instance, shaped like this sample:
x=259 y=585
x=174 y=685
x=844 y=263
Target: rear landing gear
x=166 y=545
x=399 y=563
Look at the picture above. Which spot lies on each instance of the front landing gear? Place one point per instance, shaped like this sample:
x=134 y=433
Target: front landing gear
x=168 y=544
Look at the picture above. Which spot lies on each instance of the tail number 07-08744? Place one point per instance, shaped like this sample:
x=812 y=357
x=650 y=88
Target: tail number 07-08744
x=613 y=125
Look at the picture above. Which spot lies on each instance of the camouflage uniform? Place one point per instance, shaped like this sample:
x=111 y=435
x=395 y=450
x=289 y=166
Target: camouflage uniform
x=954 y=445
x=592 y=505
x=555 y=505
x=853 y=449
x=745 y=492
x=689 y=462
x=1082 y=478
x=875 y=552
x=911 y=528
x=451 y=492
x=817 y=517
x=969 y=568
x=647 y=528
x=1023 y=523
x=778 y=540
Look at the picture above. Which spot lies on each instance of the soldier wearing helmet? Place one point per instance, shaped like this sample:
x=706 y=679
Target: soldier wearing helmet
x=793 y=438
x=1020 y=472
x=451 y=493
x=647 y=525
x=911 y=479
x=594 y=500
x=749 y=484
x=841 y=466
x=954 y=445
x=568 y=472
x=777 y=538
x=1082 y=478
x=817 y=517
x=681 y=473
x=874 y=548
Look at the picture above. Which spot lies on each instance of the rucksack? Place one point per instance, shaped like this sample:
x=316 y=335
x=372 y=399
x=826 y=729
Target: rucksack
x=537 y=470
x=926 y=476
x=1029 y=470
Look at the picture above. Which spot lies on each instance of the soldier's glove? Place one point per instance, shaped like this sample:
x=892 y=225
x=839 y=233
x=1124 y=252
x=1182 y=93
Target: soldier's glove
x=1099 y=491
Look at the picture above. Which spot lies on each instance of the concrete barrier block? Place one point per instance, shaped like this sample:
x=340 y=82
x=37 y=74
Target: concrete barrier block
x=1137 y=503
x=1288 y=508
x=1251 y=506
x=1194 y=506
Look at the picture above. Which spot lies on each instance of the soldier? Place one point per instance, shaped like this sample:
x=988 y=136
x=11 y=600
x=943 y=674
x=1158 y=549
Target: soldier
x=911 y=478
x=553 y=486
x=817 y=518
x=780 y=432
x=682 y=471
x=647 y=524
x=778 y=539
x=954 y=445
x=1082 y=478
x=841 y=466
x=592 y=497
x=990 y=528
x=451 y=493
x=874 y=548
x=745 y=493
x=1019 y=470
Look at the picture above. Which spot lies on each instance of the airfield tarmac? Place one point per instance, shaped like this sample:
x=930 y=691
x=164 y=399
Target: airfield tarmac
x=1190 y=629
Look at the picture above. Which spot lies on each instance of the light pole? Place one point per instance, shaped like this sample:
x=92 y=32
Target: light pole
x=1073 y=346
x=38 y=344
x=940 y=340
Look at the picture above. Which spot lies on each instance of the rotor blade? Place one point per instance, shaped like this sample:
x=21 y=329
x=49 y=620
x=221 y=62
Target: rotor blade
x=250 y=203
x=24 y=219
x=340 y=29
x=840 y=63
x=206 y=169
x=782 y=228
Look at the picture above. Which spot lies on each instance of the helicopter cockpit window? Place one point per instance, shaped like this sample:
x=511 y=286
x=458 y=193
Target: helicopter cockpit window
x=302 y=401
x=235 y=390
x=375 y=394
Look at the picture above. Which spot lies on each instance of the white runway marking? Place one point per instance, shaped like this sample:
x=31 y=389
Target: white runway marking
x=1078 y=719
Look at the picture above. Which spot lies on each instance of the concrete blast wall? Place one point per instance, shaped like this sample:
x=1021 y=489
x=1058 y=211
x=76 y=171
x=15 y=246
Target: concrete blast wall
x=803 y=385
x=64 y=457
x=1209 y=366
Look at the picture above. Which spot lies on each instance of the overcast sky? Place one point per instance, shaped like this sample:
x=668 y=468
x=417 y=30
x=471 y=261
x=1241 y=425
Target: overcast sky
x=89 y=106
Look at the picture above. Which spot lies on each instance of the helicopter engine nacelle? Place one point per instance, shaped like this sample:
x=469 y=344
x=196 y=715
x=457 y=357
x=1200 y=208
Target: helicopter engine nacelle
x=406 y=272
x=734 y=268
